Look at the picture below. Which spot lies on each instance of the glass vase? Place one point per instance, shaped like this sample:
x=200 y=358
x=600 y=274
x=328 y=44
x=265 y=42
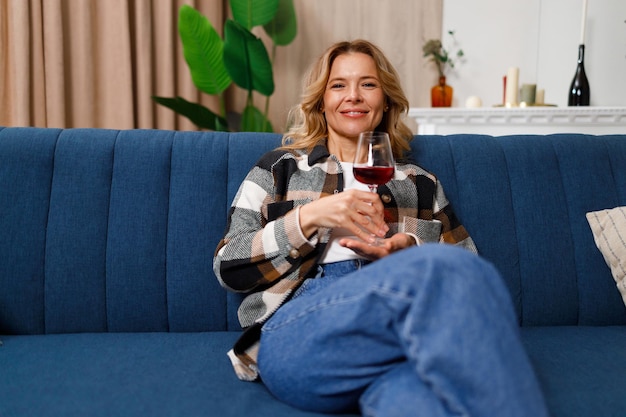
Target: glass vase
x=441 y=94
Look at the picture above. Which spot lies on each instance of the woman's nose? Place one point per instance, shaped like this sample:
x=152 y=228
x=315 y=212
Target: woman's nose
x=354 y=94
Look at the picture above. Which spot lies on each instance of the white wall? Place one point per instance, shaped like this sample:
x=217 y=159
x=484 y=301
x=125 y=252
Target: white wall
x=540 y=37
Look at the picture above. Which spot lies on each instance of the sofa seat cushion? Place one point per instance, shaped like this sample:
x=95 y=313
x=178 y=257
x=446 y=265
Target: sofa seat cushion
x=118 y=374
x=582 y=369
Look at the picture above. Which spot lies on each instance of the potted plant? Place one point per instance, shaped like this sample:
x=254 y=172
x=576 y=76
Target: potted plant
x=240 y=58
x=441 y=94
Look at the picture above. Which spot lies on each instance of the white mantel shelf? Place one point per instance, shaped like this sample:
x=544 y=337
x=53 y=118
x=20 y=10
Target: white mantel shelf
x=499 y=121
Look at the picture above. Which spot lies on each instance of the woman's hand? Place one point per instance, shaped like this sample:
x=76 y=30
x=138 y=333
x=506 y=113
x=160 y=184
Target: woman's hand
x=360 y=212
x=388 y=246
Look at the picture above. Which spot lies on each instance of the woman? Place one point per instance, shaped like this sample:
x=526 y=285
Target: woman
x=333 y=323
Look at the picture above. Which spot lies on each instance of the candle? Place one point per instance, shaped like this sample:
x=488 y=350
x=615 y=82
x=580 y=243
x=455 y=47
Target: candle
x=512 y=87
x=528 y=93
x=504 y=90
x=539 y=97
x=583 y=23
x=473 y=102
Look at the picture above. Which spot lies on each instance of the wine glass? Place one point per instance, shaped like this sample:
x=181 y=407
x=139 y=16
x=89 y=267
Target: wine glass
x=373 y=162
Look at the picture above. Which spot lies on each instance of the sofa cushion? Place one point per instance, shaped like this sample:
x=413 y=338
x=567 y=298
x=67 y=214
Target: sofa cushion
x=128 y=374
x=609 y=233
x=581 y=369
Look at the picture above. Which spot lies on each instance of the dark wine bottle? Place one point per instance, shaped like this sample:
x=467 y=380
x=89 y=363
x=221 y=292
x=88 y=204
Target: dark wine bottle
x=579 y=91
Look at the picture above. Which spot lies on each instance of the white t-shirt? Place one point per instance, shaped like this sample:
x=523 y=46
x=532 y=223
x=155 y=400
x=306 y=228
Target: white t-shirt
x=334 y=251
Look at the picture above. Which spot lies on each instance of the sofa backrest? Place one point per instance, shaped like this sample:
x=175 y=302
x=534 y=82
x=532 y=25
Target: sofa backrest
x=523 y=200
x=106 y=230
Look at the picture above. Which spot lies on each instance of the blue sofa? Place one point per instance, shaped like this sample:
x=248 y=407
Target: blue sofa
x=109 y=306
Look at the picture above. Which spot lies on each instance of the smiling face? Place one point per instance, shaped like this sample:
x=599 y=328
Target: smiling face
x=353 y=101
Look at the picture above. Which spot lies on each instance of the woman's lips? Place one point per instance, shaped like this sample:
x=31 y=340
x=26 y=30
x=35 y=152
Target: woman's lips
x=354 y=113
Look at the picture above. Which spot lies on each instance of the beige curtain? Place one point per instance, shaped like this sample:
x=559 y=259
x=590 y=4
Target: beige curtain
x=96 y=63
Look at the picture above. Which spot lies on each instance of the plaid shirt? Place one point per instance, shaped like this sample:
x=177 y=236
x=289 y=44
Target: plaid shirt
x=264 y=252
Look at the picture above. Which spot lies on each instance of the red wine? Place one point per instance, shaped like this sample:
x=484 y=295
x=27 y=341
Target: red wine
x=373 y=175
x=579 y=89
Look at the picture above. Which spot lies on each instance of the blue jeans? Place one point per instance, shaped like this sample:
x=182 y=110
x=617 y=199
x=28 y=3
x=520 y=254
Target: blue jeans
x=426 y=331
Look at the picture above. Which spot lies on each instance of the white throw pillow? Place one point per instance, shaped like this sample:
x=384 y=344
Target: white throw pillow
x=609 y=233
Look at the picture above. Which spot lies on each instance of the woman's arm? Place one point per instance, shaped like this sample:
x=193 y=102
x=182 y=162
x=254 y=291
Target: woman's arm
x=435 y=221
x=255 y=250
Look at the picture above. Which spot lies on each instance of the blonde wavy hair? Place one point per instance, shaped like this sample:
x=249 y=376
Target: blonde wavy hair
x=306 y=120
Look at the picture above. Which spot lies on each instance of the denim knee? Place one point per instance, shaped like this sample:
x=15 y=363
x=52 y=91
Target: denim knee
x=436 y=260
x=441 y=253
x=434 y=268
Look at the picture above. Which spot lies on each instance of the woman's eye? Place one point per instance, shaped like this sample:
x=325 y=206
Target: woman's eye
x=369 y=85
x=336 y=86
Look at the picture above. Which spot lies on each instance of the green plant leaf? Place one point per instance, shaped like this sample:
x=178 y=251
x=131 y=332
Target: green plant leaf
x=251 y=13
x=284 y=27
x=246 y=59
x=203 y=51
x=252 y=120
x=198 y=114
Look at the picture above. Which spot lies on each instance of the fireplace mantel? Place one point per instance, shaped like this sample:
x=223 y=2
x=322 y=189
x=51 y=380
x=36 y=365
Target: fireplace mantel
x=498 y=121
